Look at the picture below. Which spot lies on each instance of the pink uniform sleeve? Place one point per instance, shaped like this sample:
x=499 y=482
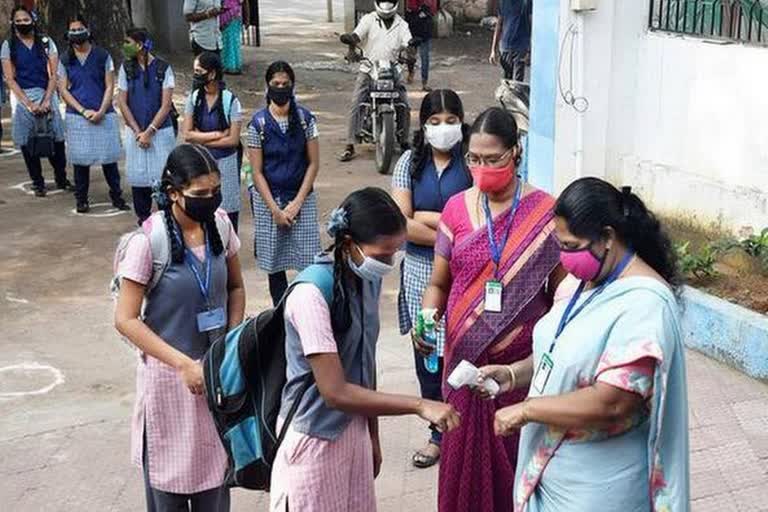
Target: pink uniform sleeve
x=137 y=263
x=234 y=241
x=635 y=377
x=308 y=313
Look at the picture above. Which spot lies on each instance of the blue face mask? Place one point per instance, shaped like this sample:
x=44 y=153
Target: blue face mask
x=370 y=269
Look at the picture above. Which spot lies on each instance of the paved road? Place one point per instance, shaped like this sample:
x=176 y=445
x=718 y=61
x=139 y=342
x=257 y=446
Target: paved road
x=67 y=449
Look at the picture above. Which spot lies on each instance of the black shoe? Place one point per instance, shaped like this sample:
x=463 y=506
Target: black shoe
x=66 y=185
x=121 y=205
x=83 y=207
x=40 y=192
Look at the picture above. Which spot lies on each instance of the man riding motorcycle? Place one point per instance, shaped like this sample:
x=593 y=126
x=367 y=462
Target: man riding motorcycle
x=381 y=35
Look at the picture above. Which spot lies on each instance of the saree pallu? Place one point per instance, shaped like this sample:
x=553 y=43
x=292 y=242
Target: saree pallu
x=231 y=53
x=477 y=467
x=640 y=464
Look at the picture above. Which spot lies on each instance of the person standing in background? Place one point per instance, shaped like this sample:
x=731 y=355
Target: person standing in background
x=86 y=83
x=30 y=60
x=231 y=23
x=284 y=153
x=425 y=178
x=419 y=15
x=203 y=19
x=145 y=84
x=213 y=118
x=512 y=38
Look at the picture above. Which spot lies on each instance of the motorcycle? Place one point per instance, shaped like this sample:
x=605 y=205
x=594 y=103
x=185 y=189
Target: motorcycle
x=514 y=97
x=380 y=113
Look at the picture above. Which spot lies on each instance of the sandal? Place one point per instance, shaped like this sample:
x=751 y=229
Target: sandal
x=347 y=155
x=422 y=461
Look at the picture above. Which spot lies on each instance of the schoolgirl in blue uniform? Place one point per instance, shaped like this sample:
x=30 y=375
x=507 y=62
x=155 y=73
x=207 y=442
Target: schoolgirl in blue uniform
x=30 y=60
x=213 y=117
x=285 y=156
x=424 y=179
x=145 y=84
x=86 y=83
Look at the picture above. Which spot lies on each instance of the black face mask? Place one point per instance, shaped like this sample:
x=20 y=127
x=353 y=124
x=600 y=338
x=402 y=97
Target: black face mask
x=78 y=37
x=200 y=81
x=202 y=209
x=25 y=29
x=280 y=96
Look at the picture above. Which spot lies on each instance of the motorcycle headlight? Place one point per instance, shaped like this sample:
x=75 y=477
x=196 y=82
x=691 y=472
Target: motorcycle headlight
x=385 y=84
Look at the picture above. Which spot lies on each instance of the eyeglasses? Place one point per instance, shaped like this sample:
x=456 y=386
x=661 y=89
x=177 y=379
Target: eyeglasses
x=493 y=161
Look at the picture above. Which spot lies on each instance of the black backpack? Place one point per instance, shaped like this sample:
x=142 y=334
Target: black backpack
x=244 y=376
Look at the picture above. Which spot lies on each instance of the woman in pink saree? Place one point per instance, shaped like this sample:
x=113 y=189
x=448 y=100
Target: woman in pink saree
x=496 y=262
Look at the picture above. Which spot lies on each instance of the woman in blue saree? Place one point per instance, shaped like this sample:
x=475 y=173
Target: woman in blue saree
x=605 y=424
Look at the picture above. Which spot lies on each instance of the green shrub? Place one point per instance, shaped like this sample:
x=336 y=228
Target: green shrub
x=700 y=264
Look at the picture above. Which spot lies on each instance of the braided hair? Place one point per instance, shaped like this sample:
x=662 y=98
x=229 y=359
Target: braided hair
x=363 y=217
x=211 y=63
x=41 y=41
x=589 y=205
x=436 y=102
x=279 y=66
x=185 y=163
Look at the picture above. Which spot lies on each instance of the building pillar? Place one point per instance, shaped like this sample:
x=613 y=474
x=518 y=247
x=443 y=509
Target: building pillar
x=544 y=64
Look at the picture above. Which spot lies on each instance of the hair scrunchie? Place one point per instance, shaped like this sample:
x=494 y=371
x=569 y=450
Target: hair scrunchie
x=159 y=195
x=338 y=222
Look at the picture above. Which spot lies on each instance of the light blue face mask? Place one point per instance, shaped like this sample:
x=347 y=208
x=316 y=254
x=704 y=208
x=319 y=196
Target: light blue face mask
x=370 y=269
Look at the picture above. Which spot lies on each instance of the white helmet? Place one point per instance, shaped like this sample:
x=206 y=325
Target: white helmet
x=386 y=9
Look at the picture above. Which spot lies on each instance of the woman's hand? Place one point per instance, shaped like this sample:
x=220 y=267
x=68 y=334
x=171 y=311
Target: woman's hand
x=292 y=210
x=443 y=416
x=377 y=457
x=493 y=58
x=192 y=376
x=510 y=419
x=45 y=106
x=498 y=372
x=97 y=117
x=422 y=347
x=144 y=139
x=281 y=219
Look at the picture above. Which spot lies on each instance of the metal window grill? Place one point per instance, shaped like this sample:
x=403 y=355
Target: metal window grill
x=743 y=21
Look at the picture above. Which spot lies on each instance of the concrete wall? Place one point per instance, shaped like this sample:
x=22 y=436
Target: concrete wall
x=165 y=21
x=682 y=119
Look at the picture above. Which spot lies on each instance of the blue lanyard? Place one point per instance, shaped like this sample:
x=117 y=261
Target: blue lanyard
x=191 y=261
x=496 y=250
x=568 y=317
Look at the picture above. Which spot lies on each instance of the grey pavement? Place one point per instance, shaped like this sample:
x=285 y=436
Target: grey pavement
x=66 y=449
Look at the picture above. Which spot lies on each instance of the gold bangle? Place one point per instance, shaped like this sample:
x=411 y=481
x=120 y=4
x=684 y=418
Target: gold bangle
x=513 y=376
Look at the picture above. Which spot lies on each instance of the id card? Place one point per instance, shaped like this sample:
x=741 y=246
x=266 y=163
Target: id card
x=211 y=320
x=542 y=374
x=493 y=292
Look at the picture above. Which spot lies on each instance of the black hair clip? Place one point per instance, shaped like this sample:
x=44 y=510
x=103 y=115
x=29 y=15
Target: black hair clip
x=626 y=193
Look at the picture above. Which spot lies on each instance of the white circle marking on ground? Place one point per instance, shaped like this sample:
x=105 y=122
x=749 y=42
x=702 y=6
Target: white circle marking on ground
x=56 y=375
x=26 y=187
x=109 y=212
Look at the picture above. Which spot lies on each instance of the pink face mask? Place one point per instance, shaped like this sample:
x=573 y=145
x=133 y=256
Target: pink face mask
x=581 y=263
x=493 y=179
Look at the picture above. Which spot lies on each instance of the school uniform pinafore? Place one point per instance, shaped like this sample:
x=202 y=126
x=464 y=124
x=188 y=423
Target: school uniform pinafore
x=285 y=166
x=173 y=436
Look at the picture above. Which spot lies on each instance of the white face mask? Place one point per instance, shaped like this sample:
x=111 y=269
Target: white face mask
x=370 y=269
x=443 y=137
x=387 y=5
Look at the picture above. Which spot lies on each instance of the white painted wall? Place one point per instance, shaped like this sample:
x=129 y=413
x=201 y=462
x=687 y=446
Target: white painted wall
x=683 y=120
